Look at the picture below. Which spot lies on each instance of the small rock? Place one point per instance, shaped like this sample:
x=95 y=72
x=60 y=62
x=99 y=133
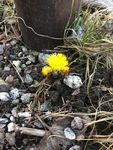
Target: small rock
x=35 y=53
x=24 y=114
x=42 y=58
x=31 y=58
x=20 y=54
x=11 y=126
x=80 y=32
x=49 y=117
x=14 y=112
x=69 y=133
x=76 y=147
x=72 y=81
x=6 y=68
x=23 y=66
x=46 y=106
x=12 y=118
x=9 y=79
x=38 y=124
x=7 y=45
x=28 y=79
x=7 y=115
x=19 y=69
x=17 y=63
x=80 y=137
x=16 y=83
x=14 y=93
x=4 y=96
x=13 y=42
x=12 y=57
x=4 y=120
x=24 y=49
x=77 y=123
x=15 y=101
x=25 y=98
x=28 y=62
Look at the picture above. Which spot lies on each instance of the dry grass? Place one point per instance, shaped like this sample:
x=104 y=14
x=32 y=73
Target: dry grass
x=97 y=38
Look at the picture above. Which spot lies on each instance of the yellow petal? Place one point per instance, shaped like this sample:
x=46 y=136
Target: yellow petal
x=57 y=61
x=46 y=70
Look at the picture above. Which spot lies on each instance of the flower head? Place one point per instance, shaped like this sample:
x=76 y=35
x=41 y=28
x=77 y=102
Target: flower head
x=46 y=70
x=57 y=61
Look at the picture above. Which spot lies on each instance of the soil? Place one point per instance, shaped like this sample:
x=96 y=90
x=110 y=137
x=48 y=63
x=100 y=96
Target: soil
x=65 y=103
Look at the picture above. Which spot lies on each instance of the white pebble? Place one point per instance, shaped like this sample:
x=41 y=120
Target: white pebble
x=69 y=133
x=17 y=63
x=75 y=147
x=72 y=81
x=11 y=126
x=24 y=49
x=12 y=118
x=4 y=96
x=25 y=98
x=24 y=114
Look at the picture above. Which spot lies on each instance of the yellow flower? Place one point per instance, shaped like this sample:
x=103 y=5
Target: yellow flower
x=46 y=70
x=57 y=61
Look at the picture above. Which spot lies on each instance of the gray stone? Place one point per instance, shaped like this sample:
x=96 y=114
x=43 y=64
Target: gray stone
x=42 y=58
x=3 y=120
x=14 y=93
x=25 y=98
x=28 y=62
x=6 y=68
x=19 y=69
x=23 y=66
x=46 y=106
x=13 y=42
x=28 y=79
x=72 y=81
x=24 y=49
x=31 y=58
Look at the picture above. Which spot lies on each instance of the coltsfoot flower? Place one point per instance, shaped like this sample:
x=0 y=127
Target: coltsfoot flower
x=57 y=62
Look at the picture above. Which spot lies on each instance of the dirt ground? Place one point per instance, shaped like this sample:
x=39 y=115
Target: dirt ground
x=90 y=102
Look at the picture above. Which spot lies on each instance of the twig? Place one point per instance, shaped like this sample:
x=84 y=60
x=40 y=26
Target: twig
x=30 y=131
x=16 y=71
